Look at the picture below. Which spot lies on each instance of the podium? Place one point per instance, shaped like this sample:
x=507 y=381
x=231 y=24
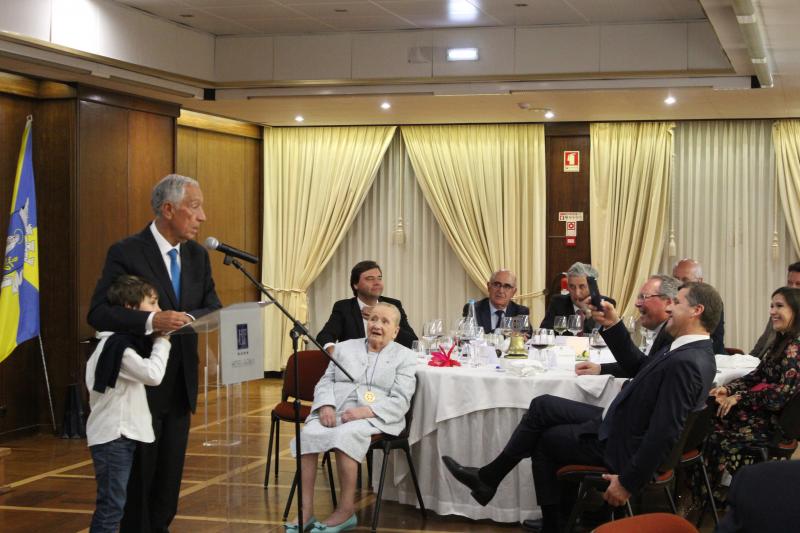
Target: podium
x=231 y=350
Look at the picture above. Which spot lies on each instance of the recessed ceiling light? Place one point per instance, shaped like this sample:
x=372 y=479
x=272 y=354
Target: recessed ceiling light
x=386 y=105
x=299 y=118
x=549 y=114
x=669 y=100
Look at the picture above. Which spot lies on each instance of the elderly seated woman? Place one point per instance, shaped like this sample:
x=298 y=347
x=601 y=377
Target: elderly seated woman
x=346 y=414
x=749 y=407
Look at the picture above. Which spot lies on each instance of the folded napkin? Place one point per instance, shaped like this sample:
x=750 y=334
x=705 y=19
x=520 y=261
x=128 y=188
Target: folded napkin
x=525 y=368
x=736 y=361
x=594 y=385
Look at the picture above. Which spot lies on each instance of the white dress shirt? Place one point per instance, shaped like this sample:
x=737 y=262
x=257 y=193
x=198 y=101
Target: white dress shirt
x=123 y=410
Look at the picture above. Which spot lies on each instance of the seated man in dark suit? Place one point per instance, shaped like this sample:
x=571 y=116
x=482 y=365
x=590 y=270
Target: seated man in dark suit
x=349 y=317
x=637 y=431
x=490 y=311
x=762 y=498
x=763 y=342
x=687 y=270
x=573 y=303
x=654 y=297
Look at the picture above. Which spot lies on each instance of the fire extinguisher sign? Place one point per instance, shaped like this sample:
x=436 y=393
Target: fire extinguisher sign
x=572 y=161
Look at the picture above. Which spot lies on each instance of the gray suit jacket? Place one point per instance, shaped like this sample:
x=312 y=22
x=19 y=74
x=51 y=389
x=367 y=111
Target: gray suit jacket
x=393 y=383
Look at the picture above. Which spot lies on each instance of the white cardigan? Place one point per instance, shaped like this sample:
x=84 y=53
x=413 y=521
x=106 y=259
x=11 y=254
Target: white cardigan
x=393 y=383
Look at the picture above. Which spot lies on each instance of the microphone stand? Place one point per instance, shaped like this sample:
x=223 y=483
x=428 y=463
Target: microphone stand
x=298 y=330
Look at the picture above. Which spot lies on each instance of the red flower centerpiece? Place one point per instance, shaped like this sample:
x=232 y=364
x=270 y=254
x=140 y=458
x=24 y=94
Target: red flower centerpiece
x=442 y=358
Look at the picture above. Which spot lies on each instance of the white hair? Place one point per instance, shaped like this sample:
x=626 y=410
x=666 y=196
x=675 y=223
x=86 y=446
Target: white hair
x=171 y=189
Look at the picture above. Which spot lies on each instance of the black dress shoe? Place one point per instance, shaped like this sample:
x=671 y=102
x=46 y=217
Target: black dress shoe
x=532 y=525
x=482 y=492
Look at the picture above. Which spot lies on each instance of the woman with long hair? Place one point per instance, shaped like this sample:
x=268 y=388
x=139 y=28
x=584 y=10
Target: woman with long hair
x=749 y=407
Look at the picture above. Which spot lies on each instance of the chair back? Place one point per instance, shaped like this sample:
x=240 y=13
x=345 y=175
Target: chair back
x=653 y=523
x=313 y=364
x=789 y=419
x=703 y=423
x=678 y=449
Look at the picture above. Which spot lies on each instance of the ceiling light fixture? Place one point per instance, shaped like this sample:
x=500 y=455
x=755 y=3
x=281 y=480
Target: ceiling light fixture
x=549 y=114
x=462 y=54
x=669 y=100
x=299 y=118
x=386 y=105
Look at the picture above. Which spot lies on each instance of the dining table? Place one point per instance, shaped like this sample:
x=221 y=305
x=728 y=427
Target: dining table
x=469 y=412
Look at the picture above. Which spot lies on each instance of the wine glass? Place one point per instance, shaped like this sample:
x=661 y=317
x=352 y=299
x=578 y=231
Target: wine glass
x=524 y=323
x=597 y=341
x=560 y=324
x=507 y=325
x=540 y=339
x=575 y=324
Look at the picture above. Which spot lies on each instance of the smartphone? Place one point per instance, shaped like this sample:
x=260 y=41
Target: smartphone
x=594 y=292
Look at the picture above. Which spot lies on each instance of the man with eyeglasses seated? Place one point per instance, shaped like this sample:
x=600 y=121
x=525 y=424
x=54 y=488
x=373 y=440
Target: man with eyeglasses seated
x=502 y=286
x=687 y=270
x=654 y=298
x=574 y=302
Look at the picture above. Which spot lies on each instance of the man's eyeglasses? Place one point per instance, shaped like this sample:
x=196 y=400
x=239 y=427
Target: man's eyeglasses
x=498 y=285
x=644 y=297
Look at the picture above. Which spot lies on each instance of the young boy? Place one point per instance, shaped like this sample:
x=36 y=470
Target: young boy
x=116 y=373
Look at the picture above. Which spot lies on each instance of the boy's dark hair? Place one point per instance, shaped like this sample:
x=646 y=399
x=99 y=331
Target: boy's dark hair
x=794 y=267
x=359 y=269
x=130 y=291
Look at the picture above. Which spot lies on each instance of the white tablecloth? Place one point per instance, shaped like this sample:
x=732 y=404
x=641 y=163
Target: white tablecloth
x=469 y=414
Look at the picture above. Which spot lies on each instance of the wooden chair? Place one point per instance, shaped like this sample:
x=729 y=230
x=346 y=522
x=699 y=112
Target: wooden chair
x=651 y=523
x=589 y=477
x=692 y=458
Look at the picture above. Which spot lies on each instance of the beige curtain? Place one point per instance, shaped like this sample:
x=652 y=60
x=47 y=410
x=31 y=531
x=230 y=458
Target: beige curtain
x=420 y=269
x=786 y=137
x=486 y=187
x=725 y=214
x=315 y=180
x=629 y=188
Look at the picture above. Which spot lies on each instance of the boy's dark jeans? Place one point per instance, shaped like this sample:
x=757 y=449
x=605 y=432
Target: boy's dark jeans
x=112 y=468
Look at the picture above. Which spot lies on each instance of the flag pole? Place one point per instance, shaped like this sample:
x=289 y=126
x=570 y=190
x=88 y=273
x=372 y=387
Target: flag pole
x=47 y=385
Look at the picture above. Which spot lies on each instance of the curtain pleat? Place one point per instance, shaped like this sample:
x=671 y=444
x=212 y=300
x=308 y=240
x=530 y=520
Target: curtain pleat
x=724 y=215
x=629 y=187
x=422 y=272
x=315 y=180
x=486 y=187
x=786 y=136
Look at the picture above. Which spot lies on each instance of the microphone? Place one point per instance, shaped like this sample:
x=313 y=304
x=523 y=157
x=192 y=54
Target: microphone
x=213 y=244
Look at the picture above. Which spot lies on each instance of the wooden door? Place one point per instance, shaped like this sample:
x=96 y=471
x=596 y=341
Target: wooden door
x=566 y=192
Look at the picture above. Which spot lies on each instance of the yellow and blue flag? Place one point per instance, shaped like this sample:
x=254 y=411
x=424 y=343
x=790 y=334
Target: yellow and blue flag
x=19 y=295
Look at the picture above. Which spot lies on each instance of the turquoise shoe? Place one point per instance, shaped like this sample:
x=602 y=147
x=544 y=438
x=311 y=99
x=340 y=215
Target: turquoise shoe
x=348 y=524
x=292 y=528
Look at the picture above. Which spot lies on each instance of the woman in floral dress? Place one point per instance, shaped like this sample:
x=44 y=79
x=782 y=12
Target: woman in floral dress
x=749 y=407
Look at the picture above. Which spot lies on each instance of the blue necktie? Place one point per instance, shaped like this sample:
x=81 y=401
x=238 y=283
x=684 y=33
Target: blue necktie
x=175 y=272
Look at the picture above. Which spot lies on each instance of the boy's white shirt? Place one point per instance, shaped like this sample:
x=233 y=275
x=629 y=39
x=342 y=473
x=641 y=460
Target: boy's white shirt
x=123 y=409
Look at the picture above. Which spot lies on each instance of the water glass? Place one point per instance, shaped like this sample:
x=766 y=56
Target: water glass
x=507 y=325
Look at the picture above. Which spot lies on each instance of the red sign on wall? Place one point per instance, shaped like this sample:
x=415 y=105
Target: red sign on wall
x=570 y=242
x=572 y=161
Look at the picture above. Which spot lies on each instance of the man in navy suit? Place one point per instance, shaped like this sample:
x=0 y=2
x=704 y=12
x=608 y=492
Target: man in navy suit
x=573 y=303
x=349 y=316
x=165 y=254
x=502 y=286
x=637 y=431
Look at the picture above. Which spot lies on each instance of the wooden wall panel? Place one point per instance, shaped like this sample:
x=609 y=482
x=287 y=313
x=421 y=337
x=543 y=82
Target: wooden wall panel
x=18 y=397
x=54 y=164
x=103 y=205
x=228 y=168
x=150 y=158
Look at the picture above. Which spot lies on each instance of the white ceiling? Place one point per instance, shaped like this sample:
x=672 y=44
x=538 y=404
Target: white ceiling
x=270 y=17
